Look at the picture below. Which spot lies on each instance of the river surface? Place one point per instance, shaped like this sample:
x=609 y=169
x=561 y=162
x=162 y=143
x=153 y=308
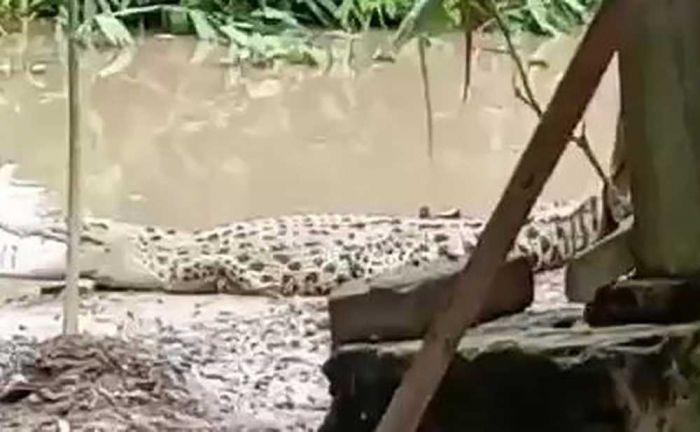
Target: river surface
x=172 y=135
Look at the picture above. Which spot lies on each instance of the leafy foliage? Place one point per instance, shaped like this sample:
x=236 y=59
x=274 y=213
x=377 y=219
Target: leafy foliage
x=426 y=18
x=261 y=31
x=549 y=17
x=541 y=17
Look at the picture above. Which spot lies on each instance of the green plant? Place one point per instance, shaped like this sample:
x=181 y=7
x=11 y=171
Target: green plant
x=429 y=18
x=287 y=26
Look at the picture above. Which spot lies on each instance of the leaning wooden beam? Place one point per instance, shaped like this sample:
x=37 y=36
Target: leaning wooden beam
x=532 y=172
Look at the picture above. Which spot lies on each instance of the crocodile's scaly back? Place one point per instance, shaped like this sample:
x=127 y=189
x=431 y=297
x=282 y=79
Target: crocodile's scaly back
x=312 y=254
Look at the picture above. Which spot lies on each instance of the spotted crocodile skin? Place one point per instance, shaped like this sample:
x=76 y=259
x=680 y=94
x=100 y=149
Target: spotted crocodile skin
x=312 y=254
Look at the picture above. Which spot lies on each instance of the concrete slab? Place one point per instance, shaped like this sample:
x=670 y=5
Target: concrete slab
x=399 y=305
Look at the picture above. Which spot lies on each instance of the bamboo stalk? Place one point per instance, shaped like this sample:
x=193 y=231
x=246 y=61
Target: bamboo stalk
x=71 y=303
x=466 y=12
x=529 y=98
x=536 y=164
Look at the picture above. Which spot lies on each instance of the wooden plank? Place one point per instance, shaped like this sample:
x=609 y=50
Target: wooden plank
x=532 y=172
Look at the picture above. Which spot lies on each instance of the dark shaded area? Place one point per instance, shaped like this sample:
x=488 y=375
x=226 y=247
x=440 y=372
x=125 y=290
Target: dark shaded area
x=645 y=301
x=498 y=392
x=526 y=373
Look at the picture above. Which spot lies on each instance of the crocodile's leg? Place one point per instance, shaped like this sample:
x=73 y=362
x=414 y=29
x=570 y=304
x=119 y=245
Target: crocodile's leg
x=260 y=272
x=215 y=274
x=193 y=276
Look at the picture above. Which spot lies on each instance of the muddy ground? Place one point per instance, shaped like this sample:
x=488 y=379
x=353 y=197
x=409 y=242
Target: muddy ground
x=178 y=362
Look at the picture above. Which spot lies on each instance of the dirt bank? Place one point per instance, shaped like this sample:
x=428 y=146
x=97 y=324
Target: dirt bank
x=227 y=362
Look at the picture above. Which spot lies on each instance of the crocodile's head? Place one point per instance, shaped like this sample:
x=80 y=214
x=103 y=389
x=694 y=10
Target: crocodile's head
x=108 y=254
x=119 y=265
x=112 y=256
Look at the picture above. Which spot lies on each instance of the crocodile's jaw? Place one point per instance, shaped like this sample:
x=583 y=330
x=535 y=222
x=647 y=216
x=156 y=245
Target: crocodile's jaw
x=31 y=257
x=125 y=275
x=118 y=267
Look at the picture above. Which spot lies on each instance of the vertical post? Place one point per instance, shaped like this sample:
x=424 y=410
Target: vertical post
x=659 y=70
x=532 y=172
x=422 y=43
x=71 y=301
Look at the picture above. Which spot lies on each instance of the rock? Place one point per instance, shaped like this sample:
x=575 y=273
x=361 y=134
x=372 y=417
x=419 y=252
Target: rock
x=544 y=372
x=399 y=305
x=38 y=68
x=601 y=264
x=648 y=301
x=15 y=390
x=84 y=287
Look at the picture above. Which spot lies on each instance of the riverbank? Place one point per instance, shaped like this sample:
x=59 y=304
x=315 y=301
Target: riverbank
x=253 y=361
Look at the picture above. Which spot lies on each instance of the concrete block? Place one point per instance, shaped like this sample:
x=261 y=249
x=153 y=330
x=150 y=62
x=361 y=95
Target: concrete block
x=600 y=265
x=400 y=304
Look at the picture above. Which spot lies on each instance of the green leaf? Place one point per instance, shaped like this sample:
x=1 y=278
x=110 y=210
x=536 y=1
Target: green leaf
x=104 y=6
x=243 y=25
x=257 y=43
x=202 y=27
x=391 y=9
x=331 y=7
x=234 y=35
x=539 y=12
x=177 y=21
x=315 y=7
x=426 y=18
x=277 y=15
x=562 y=18
x=113 y=29
x=576 y=7
x=346 y=12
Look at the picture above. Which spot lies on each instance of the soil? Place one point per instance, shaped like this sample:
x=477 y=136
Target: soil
x=151 y=362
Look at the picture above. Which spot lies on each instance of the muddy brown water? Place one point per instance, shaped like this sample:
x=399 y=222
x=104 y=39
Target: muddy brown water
x=173 y=136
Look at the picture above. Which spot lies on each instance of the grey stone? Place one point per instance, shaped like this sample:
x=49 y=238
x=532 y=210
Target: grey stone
x=600 y=265
x=645 y=301
x=400 y=304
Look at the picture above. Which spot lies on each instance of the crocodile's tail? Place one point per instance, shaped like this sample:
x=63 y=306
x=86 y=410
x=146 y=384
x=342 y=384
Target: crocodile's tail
x=554 y=237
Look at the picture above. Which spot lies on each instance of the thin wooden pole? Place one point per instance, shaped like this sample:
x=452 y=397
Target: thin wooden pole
x=466 y=18
x=532 y=172
x=71 y=301
x=425 y=80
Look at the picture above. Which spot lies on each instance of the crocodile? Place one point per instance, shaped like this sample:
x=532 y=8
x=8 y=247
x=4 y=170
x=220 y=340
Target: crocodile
x=298 y=254
x=301 y=254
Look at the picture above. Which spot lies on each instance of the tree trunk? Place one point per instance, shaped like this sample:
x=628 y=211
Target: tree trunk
x=659 y=71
